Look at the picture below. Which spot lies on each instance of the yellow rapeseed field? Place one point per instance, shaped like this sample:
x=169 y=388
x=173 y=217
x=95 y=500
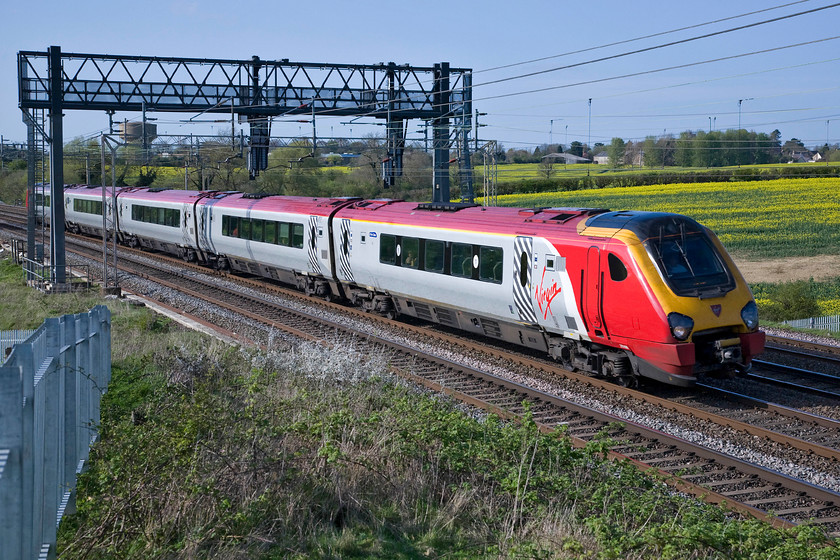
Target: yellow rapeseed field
x=756 y=219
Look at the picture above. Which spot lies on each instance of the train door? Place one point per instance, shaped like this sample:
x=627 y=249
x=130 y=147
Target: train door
x=318 y=246
x=203 y=233
x=523 y=251
x=592 y=291
x=187 y=225
x=344 y=270
x=110 y=216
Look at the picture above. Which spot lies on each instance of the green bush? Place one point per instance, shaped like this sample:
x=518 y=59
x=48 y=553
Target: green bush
x=790 y=300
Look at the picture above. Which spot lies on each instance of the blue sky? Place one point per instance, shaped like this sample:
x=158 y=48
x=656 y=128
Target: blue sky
x=795 y=90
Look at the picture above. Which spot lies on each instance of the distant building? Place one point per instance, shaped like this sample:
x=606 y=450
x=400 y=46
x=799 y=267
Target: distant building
x=567 y=158
x=804 y=157
x=133 y=131
x=344 y=157
x=601 y=158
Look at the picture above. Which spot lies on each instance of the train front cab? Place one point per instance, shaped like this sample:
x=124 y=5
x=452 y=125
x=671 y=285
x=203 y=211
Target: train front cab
x=688 y=311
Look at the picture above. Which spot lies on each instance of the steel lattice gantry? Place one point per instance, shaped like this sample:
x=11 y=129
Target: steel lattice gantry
x=255 y=89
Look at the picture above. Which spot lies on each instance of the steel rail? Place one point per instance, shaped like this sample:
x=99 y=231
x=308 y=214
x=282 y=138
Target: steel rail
x=789 y=488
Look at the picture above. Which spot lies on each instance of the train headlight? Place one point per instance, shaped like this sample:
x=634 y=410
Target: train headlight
x=749 y=314
x=681 y=325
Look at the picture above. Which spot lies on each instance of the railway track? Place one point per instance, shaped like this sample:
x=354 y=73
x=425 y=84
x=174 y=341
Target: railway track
x=799 y=365
x=800 y=379
x=704 y=472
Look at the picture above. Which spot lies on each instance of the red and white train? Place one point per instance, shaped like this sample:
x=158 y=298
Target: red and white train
x=616 y=294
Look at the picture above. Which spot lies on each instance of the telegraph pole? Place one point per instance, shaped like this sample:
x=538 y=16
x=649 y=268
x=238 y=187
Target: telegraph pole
x=112 y=144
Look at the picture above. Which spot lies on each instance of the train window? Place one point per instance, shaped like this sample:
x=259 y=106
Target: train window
x=284 y=234
x=523 y=269
x=462 y=260
x=388 y=249
x=270 y=232
x=257 y=228
x=172 y=217
x=245 y=229
x=490 y=264
x=434 y=256
x=225 y=225
x=410 y=252
x=297 y=236
x=618 y=271
x=88 y=206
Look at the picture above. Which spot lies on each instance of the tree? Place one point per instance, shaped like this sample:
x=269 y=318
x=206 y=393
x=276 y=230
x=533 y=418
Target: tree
x=683 y=149
x=615 y=151
x=83 y=161
x=546 y=169
x=791 y=146
x=576 y=149
x=659 y=152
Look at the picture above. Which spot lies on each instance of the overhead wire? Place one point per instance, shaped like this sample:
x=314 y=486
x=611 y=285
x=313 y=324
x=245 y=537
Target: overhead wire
x=657 y=70
x=376 y=112
x=326 y=112
x=683 y=84
x=656 y=47
x=643 y=37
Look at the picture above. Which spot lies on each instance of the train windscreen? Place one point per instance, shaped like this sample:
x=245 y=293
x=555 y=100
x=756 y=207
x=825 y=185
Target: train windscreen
x=687 y=258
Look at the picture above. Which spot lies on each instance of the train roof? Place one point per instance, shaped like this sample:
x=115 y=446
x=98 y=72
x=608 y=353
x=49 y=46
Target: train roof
x=306 y=205
x=646 y=224
x=470 y=217
x=93 y=190
x=179 y=196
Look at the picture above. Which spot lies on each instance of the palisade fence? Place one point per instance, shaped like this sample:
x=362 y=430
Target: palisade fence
x=10 y=338
x=50 y=387
x=828 y=323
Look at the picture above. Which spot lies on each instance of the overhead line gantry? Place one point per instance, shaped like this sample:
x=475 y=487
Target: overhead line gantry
x=256 y=90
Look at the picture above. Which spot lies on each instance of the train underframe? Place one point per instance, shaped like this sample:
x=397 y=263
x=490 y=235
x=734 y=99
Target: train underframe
x=714 y=353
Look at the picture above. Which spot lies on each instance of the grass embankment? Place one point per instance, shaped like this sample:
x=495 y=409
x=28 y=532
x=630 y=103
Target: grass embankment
x=210 y=451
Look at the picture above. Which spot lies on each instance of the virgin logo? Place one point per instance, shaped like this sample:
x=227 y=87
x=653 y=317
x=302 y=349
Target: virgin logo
x=544 y=295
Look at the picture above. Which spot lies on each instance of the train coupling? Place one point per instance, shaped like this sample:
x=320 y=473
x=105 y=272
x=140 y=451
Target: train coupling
x=728 y=350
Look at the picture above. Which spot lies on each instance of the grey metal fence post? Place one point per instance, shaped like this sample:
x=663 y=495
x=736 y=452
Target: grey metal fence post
x=11 y=460
x=26 y=359
x=47 y=417
x=70 y=374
